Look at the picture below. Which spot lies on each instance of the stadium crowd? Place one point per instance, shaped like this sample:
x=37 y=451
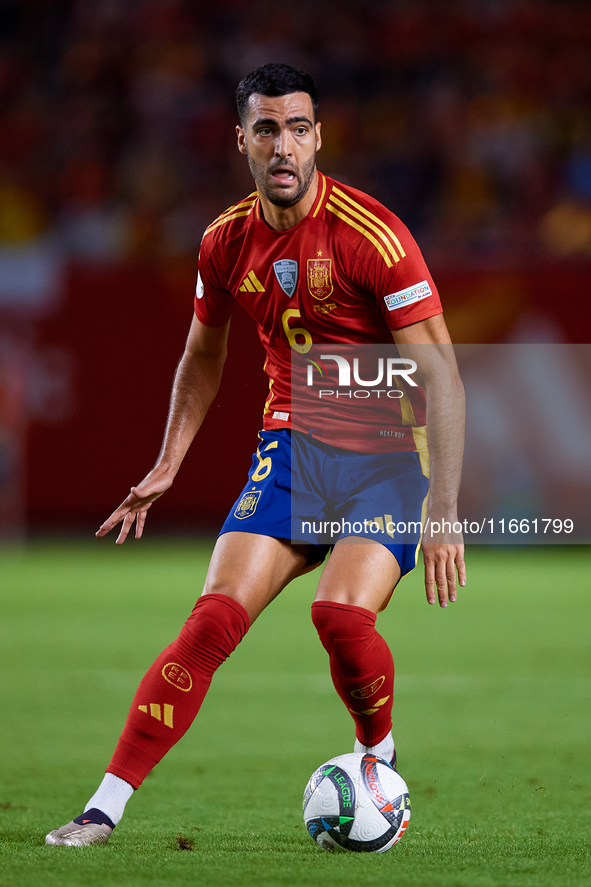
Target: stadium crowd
x=471 y=119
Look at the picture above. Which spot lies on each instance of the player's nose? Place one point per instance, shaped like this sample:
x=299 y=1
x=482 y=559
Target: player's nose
x=283 y=143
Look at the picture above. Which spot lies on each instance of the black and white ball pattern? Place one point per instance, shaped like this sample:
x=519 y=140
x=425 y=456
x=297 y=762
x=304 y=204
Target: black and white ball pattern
x=356 y=802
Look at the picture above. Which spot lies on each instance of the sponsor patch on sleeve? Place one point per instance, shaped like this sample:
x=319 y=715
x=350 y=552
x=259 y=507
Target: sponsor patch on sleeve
x=406 y=297
x=200 y=288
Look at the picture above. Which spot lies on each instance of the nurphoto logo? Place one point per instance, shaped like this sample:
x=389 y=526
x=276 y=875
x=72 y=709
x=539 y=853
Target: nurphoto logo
x=389 y=371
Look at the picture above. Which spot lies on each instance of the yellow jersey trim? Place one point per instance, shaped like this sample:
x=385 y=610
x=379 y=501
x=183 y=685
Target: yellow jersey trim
x=248 y=201
x=372 y=217
x=222 y=221
x=363 y=231
x=270 y=396
x=407 y=412
x=419 y=434
x=233 y=212
x=322 y=193
x=369 y=224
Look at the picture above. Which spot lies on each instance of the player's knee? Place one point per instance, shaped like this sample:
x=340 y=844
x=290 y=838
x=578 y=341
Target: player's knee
x=335 y=622
x=229 y=587
x=217 y=623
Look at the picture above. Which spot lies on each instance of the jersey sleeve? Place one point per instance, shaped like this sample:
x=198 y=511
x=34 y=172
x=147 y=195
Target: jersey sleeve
x=213 y=303
x=403 y=287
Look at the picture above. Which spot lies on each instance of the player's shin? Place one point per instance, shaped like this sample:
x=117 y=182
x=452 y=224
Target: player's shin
x=173 y=689
x=361 y=667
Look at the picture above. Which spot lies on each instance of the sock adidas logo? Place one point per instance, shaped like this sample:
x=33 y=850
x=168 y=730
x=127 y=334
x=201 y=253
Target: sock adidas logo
x=373 y=709
x=156 y=712
x=251 y=284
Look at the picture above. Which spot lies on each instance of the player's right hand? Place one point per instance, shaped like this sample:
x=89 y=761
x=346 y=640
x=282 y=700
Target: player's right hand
x=135 y=507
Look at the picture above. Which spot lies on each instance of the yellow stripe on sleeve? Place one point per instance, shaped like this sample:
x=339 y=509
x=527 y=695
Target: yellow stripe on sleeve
x=369 y=224
x=222 y=221
x=363 y=231
x=374 y=218
x=248 y=201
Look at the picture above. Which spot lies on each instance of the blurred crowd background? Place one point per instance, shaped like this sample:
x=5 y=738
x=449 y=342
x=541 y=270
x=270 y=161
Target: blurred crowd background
x=471 y=119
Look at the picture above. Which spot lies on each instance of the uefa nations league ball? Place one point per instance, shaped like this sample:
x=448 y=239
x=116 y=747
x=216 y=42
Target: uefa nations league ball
x=356 y=802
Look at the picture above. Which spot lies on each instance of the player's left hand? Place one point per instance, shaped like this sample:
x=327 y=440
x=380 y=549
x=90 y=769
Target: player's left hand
x=442 y=561
x=135 y=507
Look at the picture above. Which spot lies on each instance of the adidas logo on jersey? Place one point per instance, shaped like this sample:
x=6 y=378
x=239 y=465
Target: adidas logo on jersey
x=160 y=712
x=251 y=284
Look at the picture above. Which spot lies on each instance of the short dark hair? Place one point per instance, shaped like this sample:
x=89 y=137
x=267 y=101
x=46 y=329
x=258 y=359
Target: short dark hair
x=274 y=79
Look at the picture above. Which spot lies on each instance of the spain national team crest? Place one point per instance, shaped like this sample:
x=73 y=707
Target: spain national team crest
x=248 y=504
x=286 y=272
x=320 y=278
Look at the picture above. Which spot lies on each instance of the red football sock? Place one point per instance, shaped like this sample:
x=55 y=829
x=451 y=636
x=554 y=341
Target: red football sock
x=170 y=694
x=360 y=664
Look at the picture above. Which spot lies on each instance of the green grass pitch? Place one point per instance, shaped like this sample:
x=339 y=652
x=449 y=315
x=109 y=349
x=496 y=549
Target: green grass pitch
x=491 y=723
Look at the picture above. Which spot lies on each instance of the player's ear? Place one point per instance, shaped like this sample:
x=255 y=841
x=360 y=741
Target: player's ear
x=241 y=136
x=318 y=136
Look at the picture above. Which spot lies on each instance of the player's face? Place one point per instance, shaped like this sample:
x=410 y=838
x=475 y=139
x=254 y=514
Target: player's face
x=280 y=141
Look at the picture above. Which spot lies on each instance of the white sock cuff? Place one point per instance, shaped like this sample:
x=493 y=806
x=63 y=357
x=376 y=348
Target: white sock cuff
x=111 y=797
x=384 y=749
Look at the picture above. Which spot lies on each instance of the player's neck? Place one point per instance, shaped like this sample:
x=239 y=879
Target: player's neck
x=281 y=218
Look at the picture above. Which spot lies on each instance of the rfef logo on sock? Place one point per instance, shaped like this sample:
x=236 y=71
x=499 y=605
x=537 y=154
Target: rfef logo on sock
x=178 y=676
x=365 y=692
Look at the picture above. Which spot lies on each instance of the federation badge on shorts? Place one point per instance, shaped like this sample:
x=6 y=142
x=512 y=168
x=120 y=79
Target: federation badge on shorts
x=286 y=272
x=320 y=278
x=248 y=504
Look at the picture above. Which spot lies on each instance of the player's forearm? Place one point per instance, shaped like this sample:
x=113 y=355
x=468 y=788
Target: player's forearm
x=445 y=437
x=196 y=383
x=429 y=346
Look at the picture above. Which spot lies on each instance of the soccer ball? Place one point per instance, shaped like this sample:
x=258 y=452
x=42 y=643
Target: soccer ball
x=356 y=802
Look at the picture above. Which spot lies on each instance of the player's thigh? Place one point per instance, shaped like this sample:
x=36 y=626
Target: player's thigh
x=252 y=569
x=360 y=573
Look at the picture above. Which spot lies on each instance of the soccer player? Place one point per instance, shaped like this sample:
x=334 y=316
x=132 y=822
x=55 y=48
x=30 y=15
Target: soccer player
x=314 y=262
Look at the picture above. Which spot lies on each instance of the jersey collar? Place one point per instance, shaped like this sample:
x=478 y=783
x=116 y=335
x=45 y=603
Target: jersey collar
x=324 y=189
x=321 y=196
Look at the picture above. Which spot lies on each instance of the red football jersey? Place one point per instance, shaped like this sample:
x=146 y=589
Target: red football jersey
x=348 y=273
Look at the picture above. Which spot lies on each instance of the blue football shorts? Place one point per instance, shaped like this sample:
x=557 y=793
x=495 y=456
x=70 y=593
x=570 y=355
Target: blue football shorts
x=305 y=491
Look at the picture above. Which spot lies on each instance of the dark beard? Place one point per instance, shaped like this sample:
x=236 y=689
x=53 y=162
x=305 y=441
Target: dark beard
x=307 y=174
